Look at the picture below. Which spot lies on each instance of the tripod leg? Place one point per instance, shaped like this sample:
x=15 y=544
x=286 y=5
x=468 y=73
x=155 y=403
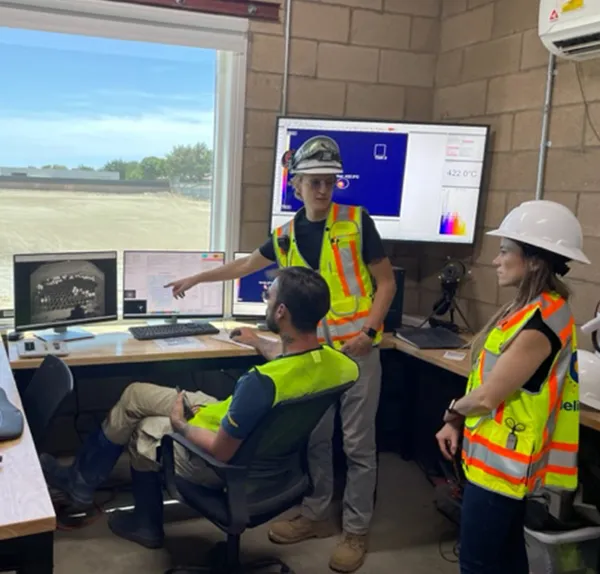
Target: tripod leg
x=462 y=316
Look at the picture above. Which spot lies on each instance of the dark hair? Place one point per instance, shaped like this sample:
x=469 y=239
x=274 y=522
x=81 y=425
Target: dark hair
x=305 y=294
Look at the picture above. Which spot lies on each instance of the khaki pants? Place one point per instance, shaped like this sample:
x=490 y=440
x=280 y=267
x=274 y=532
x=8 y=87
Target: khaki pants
x=141 y=418
x=358 y=410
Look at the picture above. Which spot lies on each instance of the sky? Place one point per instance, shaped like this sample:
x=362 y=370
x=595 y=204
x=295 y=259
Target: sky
x=73 y=100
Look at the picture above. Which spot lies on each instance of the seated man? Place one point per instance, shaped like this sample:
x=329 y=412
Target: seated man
x=296 y=301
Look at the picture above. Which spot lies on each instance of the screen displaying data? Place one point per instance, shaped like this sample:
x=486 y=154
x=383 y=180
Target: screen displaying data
x=248 y=291
x=419 y=182
x=145 y=274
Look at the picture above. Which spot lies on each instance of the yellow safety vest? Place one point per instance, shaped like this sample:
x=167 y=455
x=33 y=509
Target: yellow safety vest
x=545 y=424
x=342 y=266
x=293 y=376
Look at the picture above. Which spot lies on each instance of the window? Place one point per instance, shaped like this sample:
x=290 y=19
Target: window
x=128 y=140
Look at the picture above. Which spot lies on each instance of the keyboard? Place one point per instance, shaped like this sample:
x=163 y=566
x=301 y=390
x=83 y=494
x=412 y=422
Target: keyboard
x=149 y=332
x=430 y=338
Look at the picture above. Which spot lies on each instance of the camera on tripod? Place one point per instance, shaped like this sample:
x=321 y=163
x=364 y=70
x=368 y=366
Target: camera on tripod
x=452 y=275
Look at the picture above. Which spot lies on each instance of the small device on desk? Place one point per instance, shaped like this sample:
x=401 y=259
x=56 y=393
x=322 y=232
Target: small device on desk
x=170 y=330
x=430 y=338
x=11 y=419
x=33 y=348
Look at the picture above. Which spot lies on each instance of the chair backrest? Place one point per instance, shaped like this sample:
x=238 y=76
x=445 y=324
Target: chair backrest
x=50 y=385
x=277 y=446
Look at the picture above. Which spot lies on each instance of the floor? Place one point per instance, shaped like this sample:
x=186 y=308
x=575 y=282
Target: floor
x=406 y=530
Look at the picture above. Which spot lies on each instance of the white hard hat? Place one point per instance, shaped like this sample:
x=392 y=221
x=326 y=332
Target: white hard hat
x=589 y=379
x=318 y=155
x=547 y=225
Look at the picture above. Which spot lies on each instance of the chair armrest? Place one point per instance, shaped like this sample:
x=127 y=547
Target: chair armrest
x=234 y=477
x=209 y=459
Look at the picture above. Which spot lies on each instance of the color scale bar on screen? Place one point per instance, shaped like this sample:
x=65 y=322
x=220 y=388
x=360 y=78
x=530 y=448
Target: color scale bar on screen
x=452 y=224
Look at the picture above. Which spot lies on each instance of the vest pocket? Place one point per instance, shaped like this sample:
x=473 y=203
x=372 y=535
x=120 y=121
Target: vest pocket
x=501 y=452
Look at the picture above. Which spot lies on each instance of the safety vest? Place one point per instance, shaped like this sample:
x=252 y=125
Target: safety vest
x=531 y=440
x=342 y=267
x=293 y=376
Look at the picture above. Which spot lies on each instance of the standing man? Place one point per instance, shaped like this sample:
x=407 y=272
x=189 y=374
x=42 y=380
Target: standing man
x=342 y=243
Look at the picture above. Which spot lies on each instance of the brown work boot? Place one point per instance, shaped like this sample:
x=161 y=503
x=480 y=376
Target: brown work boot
x=349 y=554
x=298 y=529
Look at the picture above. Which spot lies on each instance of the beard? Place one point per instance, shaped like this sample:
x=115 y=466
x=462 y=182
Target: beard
x=271 y=323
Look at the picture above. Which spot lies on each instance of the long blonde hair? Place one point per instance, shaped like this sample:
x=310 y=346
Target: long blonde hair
x=539 y=277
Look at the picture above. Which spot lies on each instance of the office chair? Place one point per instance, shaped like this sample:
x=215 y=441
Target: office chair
x=267 y=476
x=50 y=385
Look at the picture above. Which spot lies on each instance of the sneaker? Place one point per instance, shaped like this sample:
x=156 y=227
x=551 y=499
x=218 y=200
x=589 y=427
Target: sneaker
x=298 y=529
x=349 y=554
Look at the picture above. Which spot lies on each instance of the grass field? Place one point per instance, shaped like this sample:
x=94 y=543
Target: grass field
x=56 y=221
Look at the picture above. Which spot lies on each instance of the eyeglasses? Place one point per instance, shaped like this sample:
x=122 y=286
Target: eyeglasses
x=317 y=182
x=266 y=296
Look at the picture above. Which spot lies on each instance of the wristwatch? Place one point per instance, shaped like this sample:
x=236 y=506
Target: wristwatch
x=369 y=332
x=451 y=408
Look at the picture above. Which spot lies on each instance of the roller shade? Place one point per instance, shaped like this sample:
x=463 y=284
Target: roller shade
x=256 y=10
x=128 y=21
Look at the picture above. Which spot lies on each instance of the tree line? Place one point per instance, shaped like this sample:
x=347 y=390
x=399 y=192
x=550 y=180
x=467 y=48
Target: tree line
x=184 y=163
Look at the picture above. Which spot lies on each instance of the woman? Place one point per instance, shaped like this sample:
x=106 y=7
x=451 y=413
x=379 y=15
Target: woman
x=520 y=413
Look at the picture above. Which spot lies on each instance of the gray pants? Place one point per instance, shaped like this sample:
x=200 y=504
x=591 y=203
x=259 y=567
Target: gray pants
x=141 y=418
x=358 y=409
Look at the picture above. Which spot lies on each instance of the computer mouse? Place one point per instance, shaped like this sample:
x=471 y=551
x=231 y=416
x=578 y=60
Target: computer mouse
x=11 y=419
x=235 y=333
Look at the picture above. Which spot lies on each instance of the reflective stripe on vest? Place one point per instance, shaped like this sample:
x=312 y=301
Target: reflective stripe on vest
x=343 y=269
x=293 y=376
x=546 y=423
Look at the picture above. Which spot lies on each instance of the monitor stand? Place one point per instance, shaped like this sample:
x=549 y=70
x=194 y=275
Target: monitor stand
x=64 y=335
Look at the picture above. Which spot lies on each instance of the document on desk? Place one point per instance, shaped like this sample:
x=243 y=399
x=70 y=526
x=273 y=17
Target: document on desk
x=182 y=343
x=454 y=355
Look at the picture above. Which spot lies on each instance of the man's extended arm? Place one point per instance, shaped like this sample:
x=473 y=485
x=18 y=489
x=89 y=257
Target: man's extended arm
x=268 y=349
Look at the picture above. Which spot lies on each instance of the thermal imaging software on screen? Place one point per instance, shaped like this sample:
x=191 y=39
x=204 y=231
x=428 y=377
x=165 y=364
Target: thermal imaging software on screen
x=419 y=182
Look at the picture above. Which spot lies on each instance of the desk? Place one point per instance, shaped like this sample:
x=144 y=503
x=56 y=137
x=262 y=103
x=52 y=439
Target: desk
x=113 y=345
x=588 y=417
x=27 y=519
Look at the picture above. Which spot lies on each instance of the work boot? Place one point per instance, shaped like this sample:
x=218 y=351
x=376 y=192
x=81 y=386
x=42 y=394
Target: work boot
x=93 y=463
x=143 y=524
x=349 y=554
x=298 y=529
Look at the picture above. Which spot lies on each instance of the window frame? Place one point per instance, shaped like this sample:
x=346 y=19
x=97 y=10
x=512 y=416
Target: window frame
x=227 y=35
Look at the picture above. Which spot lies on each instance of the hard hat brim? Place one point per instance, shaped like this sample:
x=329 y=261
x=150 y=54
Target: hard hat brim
x=571 y=253
x=318 y=170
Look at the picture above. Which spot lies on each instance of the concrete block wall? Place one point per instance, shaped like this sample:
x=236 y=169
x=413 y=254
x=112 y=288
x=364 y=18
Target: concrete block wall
x=348 y=58
x=443 y=60
x=492 y=68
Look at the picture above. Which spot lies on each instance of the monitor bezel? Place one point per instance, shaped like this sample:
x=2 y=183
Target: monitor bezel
x=129 y=316
x=240 y=316
x=75 y=322
x=483 y=186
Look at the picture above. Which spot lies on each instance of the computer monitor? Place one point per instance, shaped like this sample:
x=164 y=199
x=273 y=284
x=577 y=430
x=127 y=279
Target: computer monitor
x=58 y=290
x=145 y=274
x=419 y=182
x=248 y=291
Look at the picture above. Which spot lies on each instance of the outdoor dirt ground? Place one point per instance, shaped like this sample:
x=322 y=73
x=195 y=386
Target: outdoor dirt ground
x=56 y=221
